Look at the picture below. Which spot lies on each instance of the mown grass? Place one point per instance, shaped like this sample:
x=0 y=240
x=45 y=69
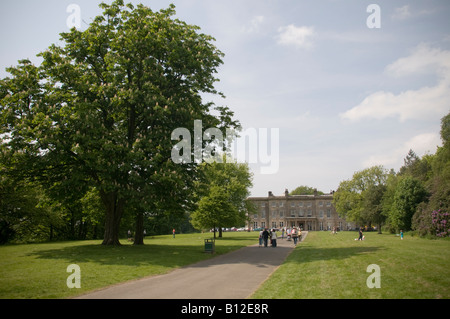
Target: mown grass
x=323 y=266
x=335 y=266
x=40 y=270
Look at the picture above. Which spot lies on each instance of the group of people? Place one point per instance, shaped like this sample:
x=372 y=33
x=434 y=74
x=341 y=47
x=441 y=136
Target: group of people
x=293 y=233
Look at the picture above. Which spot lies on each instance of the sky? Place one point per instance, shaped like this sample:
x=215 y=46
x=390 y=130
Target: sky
x=328 y=87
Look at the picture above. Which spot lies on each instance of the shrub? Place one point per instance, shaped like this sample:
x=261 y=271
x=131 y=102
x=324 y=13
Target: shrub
x=440 y=223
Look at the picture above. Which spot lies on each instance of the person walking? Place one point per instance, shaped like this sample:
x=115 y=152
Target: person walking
x=282 y=233
x=360 y=234
x=260 y=238
x=274 y=238
x=173 y=232
x=265 y=235
x=294 y=235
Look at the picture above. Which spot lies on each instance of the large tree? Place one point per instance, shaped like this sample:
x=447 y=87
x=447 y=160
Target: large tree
x=99 y=110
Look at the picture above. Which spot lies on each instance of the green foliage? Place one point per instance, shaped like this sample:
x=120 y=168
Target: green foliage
x=358 y=199
x=99 y=111
x=409 y=193
x=222 y=195
x=404 y=200
x=305 y=190
x=438 y=185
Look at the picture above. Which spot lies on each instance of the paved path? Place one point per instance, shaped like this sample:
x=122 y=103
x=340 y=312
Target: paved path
x=234 y=275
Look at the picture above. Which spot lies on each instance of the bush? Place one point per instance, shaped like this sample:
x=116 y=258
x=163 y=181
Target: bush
x=440 y=223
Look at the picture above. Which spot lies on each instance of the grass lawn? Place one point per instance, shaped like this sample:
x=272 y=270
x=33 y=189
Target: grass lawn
x=335 y=266
x=323 y=266
x=40 y=270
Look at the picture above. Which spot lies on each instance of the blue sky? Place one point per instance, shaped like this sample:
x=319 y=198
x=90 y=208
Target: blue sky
x=343 y=96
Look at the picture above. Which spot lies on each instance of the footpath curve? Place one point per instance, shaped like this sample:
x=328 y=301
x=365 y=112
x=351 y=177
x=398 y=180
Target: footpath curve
x=234 y=275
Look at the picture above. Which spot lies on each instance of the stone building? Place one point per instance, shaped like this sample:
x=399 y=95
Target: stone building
x=310 y=212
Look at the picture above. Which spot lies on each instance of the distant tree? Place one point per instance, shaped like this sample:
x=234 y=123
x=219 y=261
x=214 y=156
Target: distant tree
x=417 y=167
x=222 y=194
x=305 y=190
x=373 y=205
x=360 y=199
x=438 y=185
x=409 y=193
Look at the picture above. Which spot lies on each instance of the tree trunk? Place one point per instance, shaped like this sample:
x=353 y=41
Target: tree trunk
x=114 y=210
x=139 y=235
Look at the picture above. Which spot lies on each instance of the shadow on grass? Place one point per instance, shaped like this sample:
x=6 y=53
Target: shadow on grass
x=173 y=255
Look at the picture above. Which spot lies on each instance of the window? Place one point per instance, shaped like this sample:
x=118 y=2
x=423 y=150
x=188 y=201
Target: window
x=321 y=213
x=293 y=204
x=281 y=224
x=309 y=212
x=292 y=212
x=274 y=213
x=281 y=204
x=263 y=224
x=309 y=204
x=274 y=224
x=328 y=204
x=300 y=204
x=320 y=203
x=263 y=204
x=274 y=204
x=329 y=213
x=255 y=224
x=301 y=213
x=281 y=213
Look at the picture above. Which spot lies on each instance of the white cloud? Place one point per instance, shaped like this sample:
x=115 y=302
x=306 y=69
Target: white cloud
x=254 y=25
x=411 y=104
x=423 y=59
x=402 y=13
x=422 y=103
x=301 y=37
x=421 y=144
x=405 y=12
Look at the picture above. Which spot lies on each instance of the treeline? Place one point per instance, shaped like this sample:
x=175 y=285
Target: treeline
x=28 y=214
x=416 y=198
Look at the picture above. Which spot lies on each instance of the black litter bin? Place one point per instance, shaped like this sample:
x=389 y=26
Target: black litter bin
x=210 y=246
